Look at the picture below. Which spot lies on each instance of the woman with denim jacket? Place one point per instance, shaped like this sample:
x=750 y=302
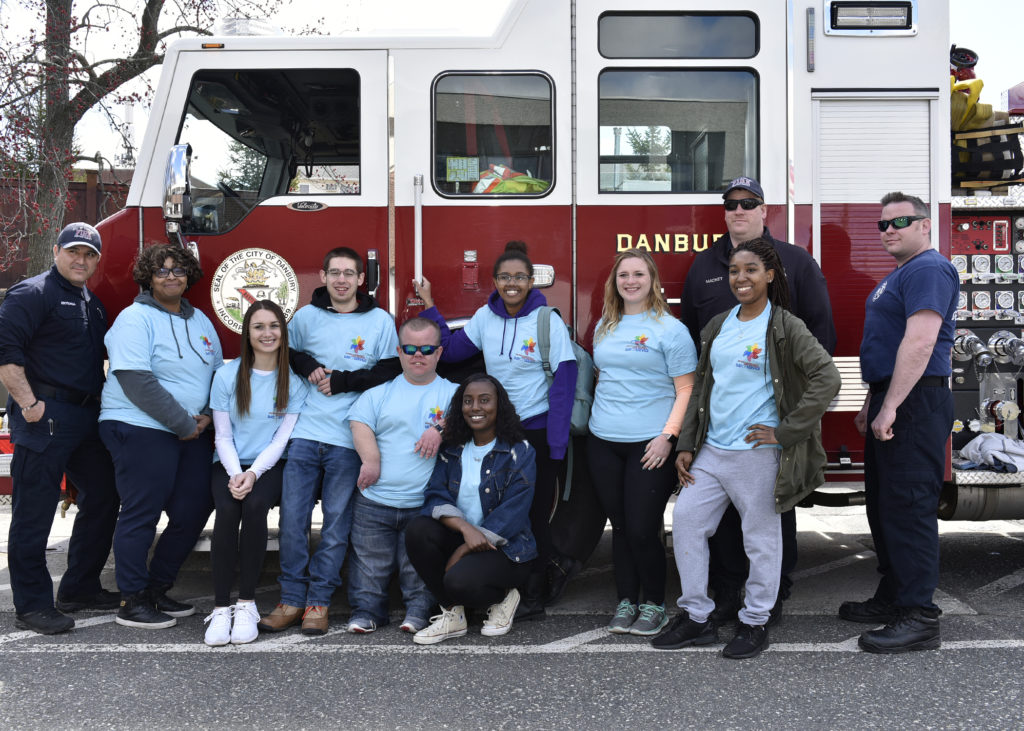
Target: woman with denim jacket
x=472 y=545
x=751 y=436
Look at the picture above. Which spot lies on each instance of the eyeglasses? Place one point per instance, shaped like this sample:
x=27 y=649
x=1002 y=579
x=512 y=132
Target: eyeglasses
x=413 y=349
x=347 y=273
x=518 y=278
x=164 y=272
x=747 y=204
x=898 y=222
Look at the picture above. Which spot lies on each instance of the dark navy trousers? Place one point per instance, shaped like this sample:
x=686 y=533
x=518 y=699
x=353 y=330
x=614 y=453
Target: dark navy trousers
x=72 y=446
x=902 y=482
x=155 y=473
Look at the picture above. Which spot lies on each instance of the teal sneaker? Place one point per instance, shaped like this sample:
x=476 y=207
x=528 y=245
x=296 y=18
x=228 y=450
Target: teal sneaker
x=652 y=620
x=625 y=615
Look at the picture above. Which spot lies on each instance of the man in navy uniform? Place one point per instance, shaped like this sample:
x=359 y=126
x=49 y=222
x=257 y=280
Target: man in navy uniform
x=51 y=361
x=906 y=419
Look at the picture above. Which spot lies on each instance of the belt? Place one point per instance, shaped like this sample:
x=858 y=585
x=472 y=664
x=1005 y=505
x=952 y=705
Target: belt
x=927 y=381
x=67 y=395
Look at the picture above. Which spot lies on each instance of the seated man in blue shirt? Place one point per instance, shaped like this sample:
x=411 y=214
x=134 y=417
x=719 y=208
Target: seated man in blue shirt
x=396 y=429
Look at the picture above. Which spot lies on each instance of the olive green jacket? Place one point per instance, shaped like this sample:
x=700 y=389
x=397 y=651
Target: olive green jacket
x=805 y=381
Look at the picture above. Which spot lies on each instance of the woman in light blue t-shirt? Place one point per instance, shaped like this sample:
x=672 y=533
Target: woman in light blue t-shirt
x=645 y=358
x=256 y=400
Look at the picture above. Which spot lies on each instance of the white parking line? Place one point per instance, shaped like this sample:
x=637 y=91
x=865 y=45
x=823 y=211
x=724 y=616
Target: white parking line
x=1010 y=581
x=831 y=565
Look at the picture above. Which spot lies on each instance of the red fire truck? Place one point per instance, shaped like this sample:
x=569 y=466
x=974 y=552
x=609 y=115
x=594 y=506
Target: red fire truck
x=582 y=128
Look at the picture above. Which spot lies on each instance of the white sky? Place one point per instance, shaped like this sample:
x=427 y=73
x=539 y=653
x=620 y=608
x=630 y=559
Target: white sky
x=991 y=28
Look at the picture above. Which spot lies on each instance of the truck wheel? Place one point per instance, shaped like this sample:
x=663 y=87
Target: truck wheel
x=579 y=523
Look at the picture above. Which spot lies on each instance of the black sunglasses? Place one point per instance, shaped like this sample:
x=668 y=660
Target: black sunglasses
x=898 y=222
x=747 y=204
x=425 y=349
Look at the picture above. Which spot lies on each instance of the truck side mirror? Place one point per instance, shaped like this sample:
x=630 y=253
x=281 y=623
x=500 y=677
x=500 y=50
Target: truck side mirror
x=372 y=272
x=177 y=188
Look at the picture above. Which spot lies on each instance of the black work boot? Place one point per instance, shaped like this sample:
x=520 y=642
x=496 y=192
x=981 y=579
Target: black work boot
x=531 y=604
x=170 y=607
x=872 y=611
x=912 y=629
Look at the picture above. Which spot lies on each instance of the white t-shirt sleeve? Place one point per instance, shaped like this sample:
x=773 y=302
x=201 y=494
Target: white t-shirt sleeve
x=130 y=342
x=224 y=441
x=365 y=409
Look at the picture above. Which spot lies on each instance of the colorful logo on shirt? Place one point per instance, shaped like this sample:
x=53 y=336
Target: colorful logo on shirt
x=207 y=344
x=529 y=345
x=639 y=344
x=436 y=414
x=751 y=358
x=356 y=349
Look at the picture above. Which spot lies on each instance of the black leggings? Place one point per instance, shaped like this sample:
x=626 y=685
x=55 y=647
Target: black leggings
x=478 y=580
x=243 y=548
x=549 y=473
x=634 y=500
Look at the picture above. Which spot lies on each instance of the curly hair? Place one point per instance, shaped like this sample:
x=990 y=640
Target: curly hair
x=778 y=288
x=507 y=426
x=613 y=309
x=153 y=257
x=243 y=391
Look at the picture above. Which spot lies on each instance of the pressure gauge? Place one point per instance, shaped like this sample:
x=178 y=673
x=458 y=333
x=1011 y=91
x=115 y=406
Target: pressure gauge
x=1018 y=223
x=1004 y=264
x=960 y=261
x=981 y=264
x=961 y=303
x=1019 y=247
x=982 y=300
x=1004 y=300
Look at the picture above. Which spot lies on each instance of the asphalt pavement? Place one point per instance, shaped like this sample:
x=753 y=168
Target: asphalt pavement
x=565 y=672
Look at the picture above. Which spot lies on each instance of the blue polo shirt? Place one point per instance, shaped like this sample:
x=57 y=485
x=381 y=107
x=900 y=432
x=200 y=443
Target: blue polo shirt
x=926 y=282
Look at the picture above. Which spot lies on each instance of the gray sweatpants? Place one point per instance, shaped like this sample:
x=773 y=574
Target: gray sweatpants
x=747 y=479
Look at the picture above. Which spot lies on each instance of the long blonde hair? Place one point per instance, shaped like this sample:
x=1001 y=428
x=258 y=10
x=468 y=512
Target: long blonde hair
x=611 y=312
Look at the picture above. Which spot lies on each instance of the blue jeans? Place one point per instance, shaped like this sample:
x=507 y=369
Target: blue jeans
x=328 y=470
x=378 y=547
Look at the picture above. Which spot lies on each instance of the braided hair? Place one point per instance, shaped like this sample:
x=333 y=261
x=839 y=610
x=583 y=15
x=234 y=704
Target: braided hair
x=778 y=288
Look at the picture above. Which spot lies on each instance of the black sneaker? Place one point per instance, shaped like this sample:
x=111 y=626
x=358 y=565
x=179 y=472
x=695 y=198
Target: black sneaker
x=873 y=611
x=749 y=641
x=170 y=607
x=44 y=621
x=137 y=610
x=561 y=571
x=727 y=607
x=684 y=632
x=102 y=600
x=913 y=629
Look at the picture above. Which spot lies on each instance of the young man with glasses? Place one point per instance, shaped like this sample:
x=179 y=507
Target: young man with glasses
x=396 y=428
x=341 y=331
x=906 y=420
x=706 y=293
x=51 y=361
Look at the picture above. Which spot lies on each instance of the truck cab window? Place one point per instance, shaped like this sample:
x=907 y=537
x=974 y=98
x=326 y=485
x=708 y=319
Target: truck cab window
x=676 y=130
x=493 y=134
x=260 y=133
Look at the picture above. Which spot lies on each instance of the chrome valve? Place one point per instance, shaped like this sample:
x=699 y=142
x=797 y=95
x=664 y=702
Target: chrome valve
x=1007 y=347
x=968 y=346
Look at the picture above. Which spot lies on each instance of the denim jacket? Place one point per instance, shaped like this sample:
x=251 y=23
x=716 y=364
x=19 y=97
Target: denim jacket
x=507 y=478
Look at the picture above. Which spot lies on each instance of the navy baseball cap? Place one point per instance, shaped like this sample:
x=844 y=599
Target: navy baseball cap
x=75 y=234
x=745 y=183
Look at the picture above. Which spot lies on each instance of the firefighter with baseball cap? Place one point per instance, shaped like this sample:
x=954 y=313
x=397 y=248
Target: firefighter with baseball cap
x=51 y=361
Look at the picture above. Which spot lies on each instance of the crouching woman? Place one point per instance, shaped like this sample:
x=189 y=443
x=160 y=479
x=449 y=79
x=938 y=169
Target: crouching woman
x=472 y=546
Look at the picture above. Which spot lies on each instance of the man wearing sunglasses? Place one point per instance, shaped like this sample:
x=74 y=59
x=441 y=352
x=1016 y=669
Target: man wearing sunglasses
x=706 y=293
x=396 y=428
x=906 y=421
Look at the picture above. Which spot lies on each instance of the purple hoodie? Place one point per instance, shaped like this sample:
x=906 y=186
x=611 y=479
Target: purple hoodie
x=562 y=394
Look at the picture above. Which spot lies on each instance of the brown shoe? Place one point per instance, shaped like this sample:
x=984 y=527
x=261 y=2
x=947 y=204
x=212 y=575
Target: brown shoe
x=283 y=617
x=314 y=621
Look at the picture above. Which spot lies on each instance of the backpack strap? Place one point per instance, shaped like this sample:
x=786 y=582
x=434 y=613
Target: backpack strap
x=544 y=340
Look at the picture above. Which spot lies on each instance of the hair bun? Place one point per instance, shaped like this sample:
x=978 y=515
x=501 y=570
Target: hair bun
x=517 y=246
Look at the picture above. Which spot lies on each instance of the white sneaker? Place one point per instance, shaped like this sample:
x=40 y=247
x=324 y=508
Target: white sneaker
x=361 y=626
x=449 y=623
x=219 y=631
x=499 y=616
x=244 y=629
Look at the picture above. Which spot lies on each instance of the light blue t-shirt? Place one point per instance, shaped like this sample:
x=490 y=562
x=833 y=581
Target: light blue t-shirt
x=254 y=431
x=512 y=355
x=468 y=500
x=182 y=355
x=341 y=341
x=398 y=412
x=637 y=362
x=742 y=394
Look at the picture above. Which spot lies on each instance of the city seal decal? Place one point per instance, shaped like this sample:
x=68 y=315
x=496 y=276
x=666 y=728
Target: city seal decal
x=250 y=275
